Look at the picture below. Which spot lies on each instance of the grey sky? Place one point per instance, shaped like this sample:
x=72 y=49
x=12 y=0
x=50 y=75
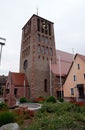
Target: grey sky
x=69 y=26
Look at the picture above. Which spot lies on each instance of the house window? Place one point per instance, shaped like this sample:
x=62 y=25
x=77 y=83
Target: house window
x=78 y=66
x=84 y=75
x=72 y=91
x=74 y=77
x=45 y=85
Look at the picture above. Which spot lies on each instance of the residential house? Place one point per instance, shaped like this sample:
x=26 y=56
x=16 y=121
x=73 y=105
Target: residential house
x=74 y=86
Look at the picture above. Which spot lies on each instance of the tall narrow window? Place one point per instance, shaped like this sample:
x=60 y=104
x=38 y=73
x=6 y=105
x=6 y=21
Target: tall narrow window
x=38 y=48
x=43 y=49
x=38 y=25
x=46 y=50
x=72 y=91
x=43 y=40
x=45 y=85
x=50 y=41
x=51 y=51
x=49 y=29
x=46 y=40
x=74 y=77
x=38 y=37
x=78 y=66
x=84 y=75
x=15 y=91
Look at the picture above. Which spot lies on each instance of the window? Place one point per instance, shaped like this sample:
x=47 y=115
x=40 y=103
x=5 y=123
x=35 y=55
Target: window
x=49 y=29
x=43 y=40
x=46 y=50
x=84 y=75
x=74 y=77
x=38 y=37
x=25 y=64
x=46 y=40
x=38 y=48
x=72 y=91
x=49 y=40
x=43 y=49
x=51 y=51
x=38 y=25
x=78 y=66
x=15 y=91
x=39 y=56
x=45 y=85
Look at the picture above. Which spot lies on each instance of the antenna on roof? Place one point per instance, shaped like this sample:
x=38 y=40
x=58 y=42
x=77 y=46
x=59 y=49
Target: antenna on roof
x=37 y=11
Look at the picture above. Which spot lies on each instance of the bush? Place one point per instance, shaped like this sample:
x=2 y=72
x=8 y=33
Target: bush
x=23 y=100
x=51 y=99
x=61 y=100
x=6 y=117
x=3 y=106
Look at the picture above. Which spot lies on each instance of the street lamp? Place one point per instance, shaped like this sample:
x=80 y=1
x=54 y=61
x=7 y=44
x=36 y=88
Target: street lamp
x=2 y=43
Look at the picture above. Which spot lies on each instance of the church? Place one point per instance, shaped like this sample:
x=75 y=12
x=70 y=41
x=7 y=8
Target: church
x=43 y=69
x=38 y=54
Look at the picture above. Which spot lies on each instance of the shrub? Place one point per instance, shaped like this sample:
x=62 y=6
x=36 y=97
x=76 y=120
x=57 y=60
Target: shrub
x=51 y=99
x=6 y=117
x=3 y=106
x=23 y=100
x=61 y=100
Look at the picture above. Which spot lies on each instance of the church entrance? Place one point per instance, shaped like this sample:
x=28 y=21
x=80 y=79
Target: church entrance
x=59 y=94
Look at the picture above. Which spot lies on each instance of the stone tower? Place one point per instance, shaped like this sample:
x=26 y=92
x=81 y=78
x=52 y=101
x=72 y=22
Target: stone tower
x=37 y=49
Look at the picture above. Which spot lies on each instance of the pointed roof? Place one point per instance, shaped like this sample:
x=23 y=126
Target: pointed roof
x=18 y=78
x=65 y=63
x=81 y=56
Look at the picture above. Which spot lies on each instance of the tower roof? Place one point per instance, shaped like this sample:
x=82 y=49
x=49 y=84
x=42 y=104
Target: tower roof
x=34 y=15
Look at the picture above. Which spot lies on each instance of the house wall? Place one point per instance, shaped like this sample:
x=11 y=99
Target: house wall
x=70 y=83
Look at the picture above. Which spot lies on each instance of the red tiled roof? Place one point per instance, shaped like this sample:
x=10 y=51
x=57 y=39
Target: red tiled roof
x=18 y=78
x=65 y=63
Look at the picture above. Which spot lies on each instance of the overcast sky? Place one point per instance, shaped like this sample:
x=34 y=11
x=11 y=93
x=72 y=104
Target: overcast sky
x=69 y=26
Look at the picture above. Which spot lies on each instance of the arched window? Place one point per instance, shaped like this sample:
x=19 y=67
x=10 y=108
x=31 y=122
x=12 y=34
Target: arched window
x=25 y=65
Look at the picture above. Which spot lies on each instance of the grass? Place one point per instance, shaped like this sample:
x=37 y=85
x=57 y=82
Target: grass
x=58 y=116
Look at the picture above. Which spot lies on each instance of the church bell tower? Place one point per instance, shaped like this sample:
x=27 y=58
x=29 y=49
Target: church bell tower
x=37 y=49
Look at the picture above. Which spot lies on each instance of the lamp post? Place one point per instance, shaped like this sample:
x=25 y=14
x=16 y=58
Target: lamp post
x=60 y=75
x=2 y=43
